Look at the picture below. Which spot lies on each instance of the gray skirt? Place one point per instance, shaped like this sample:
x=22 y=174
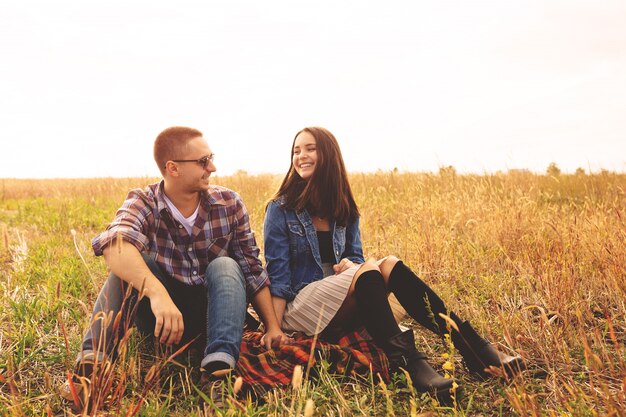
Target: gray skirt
x=317 y=303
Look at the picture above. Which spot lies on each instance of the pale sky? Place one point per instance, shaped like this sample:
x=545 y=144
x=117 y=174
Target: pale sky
x=85 y=86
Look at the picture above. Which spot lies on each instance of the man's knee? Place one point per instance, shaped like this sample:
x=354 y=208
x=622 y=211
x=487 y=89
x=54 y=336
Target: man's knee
x=112 y=294
x=223 y=269
x=223 y=264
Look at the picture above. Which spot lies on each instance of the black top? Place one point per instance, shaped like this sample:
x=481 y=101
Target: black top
x=326 y=247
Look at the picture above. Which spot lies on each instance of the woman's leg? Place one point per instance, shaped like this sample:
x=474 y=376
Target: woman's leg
x=348 y=313
x=348 y=310
x=417 y=298
x=426 y=307
x=371 y=305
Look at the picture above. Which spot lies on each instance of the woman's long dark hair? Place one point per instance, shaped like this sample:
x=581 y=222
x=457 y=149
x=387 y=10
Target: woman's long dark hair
x=327 y=193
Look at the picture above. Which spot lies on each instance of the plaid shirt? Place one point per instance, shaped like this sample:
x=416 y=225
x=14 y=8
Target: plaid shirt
x=222 y=228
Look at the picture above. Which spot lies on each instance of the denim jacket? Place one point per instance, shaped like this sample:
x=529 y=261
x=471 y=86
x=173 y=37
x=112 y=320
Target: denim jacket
x=291 y=248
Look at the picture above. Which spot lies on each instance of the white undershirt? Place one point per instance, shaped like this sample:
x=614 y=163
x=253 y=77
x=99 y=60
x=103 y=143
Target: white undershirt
x=187 y=222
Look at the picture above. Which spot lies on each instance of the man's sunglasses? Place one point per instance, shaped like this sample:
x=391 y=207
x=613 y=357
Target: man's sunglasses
x=203 y=162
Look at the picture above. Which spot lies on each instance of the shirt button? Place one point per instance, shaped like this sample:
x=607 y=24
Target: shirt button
x=180 y=226
x=189 y=250
x=337 y=253
x=195 y=272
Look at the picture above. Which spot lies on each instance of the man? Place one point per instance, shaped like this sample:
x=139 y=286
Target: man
x=188 y=246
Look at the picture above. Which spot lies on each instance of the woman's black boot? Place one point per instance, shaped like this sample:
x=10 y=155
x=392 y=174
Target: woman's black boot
x=375 y=312
x=479 y=354
x=426 y=307
x=401 y=352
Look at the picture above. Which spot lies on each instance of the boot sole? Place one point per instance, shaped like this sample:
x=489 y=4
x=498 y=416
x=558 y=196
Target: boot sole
x=445 y=397
x=505 y=370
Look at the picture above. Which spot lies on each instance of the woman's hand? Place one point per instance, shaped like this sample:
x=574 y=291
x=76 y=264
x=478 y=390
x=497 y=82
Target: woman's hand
x=344 y=264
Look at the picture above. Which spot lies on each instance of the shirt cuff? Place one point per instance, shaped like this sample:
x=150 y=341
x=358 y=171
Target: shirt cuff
x=282 y=292
x=253 y=288
x=100 y=242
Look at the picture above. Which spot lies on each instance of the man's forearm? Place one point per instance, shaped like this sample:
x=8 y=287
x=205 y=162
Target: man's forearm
x=126 y=262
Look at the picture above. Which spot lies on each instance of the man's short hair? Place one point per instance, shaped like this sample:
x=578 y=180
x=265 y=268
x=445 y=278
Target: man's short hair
x=170 y=144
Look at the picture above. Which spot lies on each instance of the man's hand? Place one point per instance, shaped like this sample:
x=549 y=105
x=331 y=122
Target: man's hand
x=275 y=338
x=344 y=264
x=169 y=320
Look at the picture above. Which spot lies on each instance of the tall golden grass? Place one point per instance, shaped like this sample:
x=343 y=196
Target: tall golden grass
x=536 y=262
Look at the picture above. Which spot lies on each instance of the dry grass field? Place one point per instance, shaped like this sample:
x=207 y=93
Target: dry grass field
x=536 y=262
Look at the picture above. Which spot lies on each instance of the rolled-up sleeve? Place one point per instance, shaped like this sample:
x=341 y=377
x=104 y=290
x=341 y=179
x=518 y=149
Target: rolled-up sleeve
x=354 y=247
x=244 y=250
x=131 y=223
x=276 y=249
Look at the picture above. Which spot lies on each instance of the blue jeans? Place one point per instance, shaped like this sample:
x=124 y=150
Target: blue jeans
x=214 y=311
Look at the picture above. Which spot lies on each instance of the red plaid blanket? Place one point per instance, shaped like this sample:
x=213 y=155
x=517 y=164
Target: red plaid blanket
x=262 y=370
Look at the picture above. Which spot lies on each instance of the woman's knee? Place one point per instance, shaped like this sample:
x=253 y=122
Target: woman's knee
x=387 y=265
x=369 y=265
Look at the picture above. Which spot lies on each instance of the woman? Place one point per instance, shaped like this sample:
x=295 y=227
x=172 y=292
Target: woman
x=320 y=281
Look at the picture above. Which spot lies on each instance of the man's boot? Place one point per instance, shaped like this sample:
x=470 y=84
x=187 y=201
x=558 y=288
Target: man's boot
x=479 y=354
x=401 y=352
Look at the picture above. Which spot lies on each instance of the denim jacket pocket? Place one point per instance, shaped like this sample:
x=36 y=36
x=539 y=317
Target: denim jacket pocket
x=297 y=238
x=295 y=228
